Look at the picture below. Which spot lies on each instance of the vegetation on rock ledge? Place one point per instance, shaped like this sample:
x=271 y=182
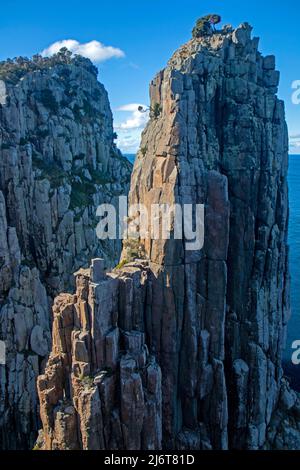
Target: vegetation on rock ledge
x=12 y=70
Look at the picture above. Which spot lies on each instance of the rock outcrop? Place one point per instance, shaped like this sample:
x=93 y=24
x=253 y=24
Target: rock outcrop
x=101 y=388
x=213 y=320
x=58 y=162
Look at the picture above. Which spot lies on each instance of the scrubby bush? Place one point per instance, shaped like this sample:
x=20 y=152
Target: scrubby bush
x=134 y=249
x=144 y=151
x=155 y=111
x=50 y=171
x=12 y=70
x=204 y=25
x=122 y=263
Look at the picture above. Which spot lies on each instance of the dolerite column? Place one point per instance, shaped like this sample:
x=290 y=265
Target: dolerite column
x=216 y=317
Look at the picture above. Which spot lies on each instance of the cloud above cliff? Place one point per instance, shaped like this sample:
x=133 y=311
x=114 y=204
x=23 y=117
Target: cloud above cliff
x=294 y=142
x=136 y=119
x=93 y=50
x=130 y=123
x=129 y=143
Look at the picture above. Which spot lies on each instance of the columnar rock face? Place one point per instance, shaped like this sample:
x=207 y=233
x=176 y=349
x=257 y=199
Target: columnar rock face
x=213 y=319
x=219 y=327
x=101 y=388
x=58 y=162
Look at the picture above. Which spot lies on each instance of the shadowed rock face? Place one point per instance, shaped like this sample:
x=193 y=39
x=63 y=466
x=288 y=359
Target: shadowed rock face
x=57 y=164
x=101 y=388
x=213 y=320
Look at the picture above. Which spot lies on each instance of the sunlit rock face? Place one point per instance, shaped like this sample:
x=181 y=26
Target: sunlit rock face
x=58 y=162
x=219 y=327
x=209 y=323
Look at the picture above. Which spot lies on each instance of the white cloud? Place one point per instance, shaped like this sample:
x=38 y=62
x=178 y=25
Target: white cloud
x=94 y=50
x=295 y=143
x=129 y=143
x=130 y=128
x=129 y=107
x=136 y=119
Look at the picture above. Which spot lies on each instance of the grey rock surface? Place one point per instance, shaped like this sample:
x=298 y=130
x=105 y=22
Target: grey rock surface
x=100 y=371
x=219 y=326
x=58 y=162
x=213 y=320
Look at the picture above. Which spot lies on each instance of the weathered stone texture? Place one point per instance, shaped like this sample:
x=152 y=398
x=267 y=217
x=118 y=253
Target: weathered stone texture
x=100 y=377
x=213 y=319
x=223 y=129
x=58 y=162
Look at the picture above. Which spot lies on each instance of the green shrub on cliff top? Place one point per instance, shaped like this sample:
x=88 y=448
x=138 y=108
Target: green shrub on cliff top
x=12 y=70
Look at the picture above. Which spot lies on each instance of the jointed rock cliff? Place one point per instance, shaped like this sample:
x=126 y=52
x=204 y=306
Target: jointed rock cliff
x=58 y=162
x=183 y=349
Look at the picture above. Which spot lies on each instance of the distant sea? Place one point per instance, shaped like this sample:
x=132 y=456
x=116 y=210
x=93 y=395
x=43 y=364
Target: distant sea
x=294 y=241
x=130 y=157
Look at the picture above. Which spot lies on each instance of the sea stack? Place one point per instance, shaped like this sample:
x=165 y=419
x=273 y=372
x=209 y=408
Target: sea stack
x=182 y=350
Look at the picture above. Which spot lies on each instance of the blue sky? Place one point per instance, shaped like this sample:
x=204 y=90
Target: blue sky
x=146 y=32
